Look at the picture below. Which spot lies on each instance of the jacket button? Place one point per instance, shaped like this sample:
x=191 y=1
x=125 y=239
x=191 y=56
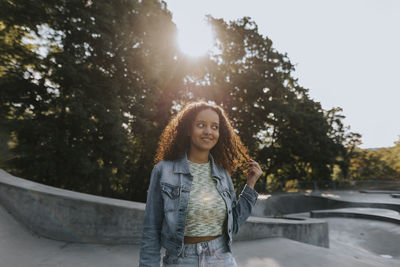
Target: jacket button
x=230 y=230
x=230 y=211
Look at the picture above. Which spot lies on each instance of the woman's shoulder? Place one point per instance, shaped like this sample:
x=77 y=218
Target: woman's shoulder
x=164 y=164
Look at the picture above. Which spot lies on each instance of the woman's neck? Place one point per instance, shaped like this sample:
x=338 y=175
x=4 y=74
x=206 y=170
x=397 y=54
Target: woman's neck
x=198 y=156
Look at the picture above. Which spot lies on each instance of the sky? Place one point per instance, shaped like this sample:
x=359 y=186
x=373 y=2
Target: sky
x=346 y=52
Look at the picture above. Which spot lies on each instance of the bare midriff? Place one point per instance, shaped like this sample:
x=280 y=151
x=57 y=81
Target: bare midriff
x=197 y=239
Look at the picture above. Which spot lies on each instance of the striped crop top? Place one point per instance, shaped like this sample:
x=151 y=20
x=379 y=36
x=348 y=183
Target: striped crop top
x=206 y=212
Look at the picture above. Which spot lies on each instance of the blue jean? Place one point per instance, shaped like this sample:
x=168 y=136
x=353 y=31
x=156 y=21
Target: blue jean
x=203 y=254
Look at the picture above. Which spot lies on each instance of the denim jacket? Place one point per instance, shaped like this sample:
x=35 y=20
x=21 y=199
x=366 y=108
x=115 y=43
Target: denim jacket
x=166 y=207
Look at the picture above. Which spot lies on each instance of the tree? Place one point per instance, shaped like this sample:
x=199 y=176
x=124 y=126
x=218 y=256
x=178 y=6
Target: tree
x=81 y=114
x=86 y=99
x=370 y=165
x=391 y=156
x=286 y=131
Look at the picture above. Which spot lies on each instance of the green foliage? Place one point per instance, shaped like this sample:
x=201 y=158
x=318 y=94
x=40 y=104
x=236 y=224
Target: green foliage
x=378 y=164
x=273 y=183
x=88 y=86
x=391 y=156
x=82 y=113
x=286 y=131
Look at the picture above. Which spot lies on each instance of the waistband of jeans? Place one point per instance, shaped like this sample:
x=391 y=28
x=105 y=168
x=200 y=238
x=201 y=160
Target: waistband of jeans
x=197 y=248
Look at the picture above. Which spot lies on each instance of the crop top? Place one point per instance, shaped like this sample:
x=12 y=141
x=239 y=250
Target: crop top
x=206 y=211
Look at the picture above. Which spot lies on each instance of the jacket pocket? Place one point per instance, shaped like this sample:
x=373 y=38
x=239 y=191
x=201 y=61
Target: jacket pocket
x=170 y=195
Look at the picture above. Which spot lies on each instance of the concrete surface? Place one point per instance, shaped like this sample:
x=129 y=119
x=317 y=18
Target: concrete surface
x=21 y=248
x=279 y=252
x=306 y=230
x=281 y=204
x=75 y=217
x=352 y=241
x=361 y=213
x=356 y=196
x=357 y=236
x=71 y=216
x=380 y=191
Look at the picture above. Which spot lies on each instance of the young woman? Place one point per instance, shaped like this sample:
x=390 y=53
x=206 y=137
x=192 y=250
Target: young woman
x=191 y=207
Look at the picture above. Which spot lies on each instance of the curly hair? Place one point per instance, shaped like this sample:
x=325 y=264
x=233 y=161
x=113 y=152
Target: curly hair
x=229 y=152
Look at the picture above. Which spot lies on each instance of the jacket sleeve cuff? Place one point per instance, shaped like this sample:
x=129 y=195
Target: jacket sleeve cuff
x=250 y=194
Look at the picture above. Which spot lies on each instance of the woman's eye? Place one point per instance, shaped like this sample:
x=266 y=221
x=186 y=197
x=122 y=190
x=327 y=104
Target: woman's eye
x=200 y=125
x=215 y=127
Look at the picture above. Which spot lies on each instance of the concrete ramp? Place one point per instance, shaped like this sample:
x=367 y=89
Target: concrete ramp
x=363 y=237
x=76 y=217
x=360 y=213
x=90 y=230
x=71 y=216
x=280 y=252
x=21 y=248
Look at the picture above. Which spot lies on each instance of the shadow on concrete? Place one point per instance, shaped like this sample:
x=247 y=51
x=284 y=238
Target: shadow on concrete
x=98 y=231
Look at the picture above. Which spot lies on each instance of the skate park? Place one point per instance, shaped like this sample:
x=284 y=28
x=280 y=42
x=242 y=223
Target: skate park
x=46 y=226
x=89 y=87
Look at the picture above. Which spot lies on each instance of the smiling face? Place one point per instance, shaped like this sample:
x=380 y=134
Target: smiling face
x=204 y=133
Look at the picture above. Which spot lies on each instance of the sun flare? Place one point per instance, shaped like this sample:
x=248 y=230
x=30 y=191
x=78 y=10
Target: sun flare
x=195 y=40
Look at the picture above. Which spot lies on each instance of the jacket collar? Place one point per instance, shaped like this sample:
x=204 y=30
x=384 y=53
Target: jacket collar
x=181 y=165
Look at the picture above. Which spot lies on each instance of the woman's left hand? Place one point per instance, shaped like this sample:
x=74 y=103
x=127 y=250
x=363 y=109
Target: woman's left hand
x=253 y=173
